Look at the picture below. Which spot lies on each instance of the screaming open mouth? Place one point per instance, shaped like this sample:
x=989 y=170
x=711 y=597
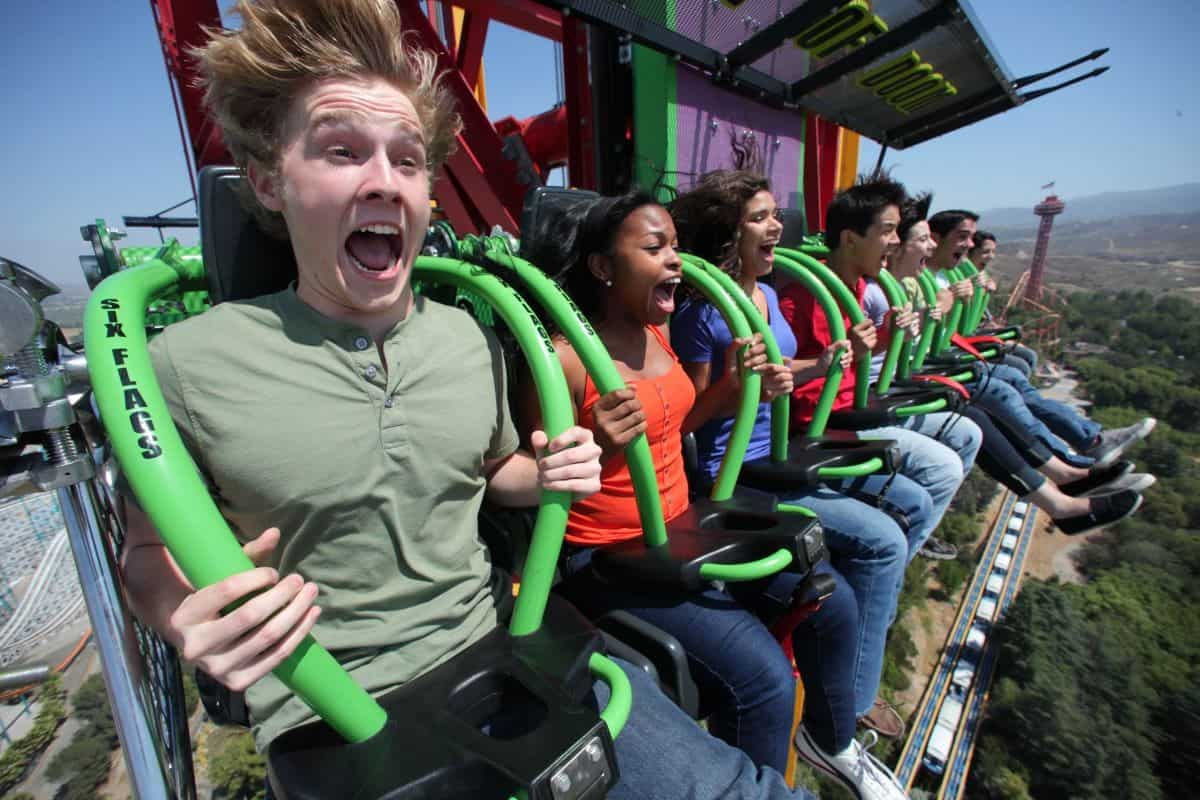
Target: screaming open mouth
x=376 y=250
x=664 y=295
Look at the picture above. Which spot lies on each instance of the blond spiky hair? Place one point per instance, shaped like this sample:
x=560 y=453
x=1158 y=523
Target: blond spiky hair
x=252 y=75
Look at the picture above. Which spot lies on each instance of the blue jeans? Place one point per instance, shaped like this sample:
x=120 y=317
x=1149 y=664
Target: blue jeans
x=744 y=677
x=999 y=396
x=870 y=548
x=1026 y=354
x=663 y=754
x=938 y=466
x=1063 y=421
x=1019 y=364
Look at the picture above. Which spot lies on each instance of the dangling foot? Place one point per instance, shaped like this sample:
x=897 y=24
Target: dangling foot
x=884 y=719
x=855 y=768
x=1105 y=510
x=938 y=550
x=1113 y=443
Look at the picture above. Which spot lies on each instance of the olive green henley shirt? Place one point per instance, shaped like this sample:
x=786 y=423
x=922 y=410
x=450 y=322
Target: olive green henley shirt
x=372 y=472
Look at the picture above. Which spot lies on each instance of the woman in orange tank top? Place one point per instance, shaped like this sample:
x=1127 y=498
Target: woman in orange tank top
x=617 y=259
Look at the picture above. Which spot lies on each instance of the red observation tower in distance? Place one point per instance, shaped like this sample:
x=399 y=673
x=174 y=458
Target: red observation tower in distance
x=1048 y=209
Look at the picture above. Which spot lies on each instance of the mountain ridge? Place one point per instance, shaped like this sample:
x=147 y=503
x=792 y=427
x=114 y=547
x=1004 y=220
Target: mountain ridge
x=1178 y=199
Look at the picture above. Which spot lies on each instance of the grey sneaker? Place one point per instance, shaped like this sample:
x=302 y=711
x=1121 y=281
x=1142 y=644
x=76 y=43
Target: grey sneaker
x=938 y=550
x=1115 y=442
x=1134 y=481
x=855 y=768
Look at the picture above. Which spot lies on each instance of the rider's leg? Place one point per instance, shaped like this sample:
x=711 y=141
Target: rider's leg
x=870 y=549
x=1018 y=363
x=824 y=648
x=745 y=678
x=662 y=753
x=932 y=465
x=1026 y=354
x=1062 y=420
x=951 y=430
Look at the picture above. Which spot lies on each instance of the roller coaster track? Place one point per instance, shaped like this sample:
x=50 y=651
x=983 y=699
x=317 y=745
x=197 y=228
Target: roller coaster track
x=961 y=752
x=963 y=744
x=35 y=616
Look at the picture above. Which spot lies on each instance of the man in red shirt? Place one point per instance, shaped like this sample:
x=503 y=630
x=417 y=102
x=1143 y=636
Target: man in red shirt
x=937 y=450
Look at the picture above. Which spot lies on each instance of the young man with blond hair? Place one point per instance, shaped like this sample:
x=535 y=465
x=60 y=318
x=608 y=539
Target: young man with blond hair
x=361 y=480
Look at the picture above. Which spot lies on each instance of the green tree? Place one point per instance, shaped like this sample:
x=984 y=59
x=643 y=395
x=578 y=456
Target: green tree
x=90 y=703
x=191 y=692
x=1179 y=755
x=84 y=764
x=234 y=766
x=953 y=574
x=1008 y=785
x=20 y=754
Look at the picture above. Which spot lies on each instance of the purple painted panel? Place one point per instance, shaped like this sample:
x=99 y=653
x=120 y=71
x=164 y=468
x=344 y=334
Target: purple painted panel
x=702 y=146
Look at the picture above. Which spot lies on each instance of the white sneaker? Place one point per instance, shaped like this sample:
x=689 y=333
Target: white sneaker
x=859 y=771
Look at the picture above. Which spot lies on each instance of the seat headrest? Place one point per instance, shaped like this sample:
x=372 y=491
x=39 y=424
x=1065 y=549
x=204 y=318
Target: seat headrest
x=241 y=259
x=543 y=203
x=794 y=227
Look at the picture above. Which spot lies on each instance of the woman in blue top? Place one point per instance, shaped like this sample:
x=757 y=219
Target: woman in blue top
x=729 y=218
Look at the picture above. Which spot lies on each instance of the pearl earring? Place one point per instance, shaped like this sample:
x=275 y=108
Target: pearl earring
x=608 y=283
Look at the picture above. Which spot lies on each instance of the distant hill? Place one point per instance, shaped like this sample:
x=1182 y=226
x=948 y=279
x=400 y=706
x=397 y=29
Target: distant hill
x=1155 y=252
x=1181 y=199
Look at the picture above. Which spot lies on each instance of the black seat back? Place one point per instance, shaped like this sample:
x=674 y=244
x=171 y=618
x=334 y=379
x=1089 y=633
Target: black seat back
x=794 y=227
x=231 y=239
x=543 y=206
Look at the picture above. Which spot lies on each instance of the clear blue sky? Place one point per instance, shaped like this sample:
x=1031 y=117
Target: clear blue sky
x=89 y=129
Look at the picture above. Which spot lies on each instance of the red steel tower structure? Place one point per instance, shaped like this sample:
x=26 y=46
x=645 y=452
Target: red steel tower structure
x=1048 y=209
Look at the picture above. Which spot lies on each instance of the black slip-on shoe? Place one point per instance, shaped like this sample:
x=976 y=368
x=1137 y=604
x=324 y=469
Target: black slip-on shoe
x=1105 y=510
x=1097 y=477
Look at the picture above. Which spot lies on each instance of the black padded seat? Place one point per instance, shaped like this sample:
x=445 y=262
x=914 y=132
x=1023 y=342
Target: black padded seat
x=881 y=411
x=240 y=259
x=945 y=370
x=808 y=456
x=1011 y=332
x=732 y=531
x=959 y=359
x=505 y=713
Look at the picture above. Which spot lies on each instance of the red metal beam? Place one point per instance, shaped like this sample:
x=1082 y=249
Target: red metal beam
x=447 y=30
x=581 y=144
x=181 y=25
x=820 y=168
x=525 y=15
x=450 y=201
x=486 y=180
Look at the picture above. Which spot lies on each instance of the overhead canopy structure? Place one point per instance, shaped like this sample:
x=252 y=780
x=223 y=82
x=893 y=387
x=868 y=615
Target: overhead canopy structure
x=897 y=71
x=659 y=92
